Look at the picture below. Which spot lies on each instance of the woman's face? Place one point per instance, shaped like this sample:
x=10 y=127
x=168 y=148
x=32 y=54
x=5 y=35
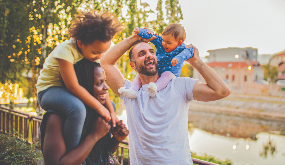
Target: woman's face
x=100 y=88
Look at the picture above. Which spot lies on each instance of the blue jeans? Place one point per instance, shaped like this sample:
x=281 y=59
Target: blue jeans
x=59 y=99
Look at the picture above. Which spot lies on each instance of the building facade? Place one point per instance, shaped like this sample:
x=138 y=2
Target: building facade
x=278 y=60
x=229 y=54
x=236 y=66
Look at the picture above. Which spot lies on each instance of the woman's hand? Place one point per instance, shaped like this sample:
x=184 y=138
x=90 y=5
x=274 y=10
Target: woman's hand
x=120 y=132
x=100 y=128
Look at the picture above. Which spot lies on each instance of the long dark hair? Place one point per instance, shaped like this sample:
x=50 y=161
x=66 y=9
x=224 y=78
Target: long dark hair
x=84 y=70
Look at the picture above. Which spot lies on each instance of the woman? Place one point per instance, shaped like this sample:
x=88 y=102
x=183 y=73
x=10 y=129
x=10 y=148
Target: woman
x=96 y=142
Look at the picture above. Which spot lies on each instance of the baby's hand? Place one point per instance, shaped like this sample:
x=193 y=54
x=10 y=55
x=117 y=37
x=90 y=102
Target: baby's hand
x=174 y=61
x=114 y=119
x=150 y=31
x=136 y=30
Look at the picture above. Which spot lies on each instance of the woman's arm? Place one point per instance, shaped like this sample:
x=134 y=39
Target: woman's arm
x=54 y=149
x=120 y=132
x=70 y=80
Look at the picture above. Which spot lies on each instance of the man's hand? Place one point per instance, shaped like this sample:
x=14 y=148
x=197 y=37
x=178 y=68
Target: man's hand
x=174 y=61
x=195 y=57
x=120 y=132
x=136 y=30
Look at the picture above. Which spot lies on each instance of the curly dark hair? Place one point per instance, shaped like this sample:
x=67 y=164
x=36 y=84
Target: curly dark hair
x=94 y=25
x=84 y=70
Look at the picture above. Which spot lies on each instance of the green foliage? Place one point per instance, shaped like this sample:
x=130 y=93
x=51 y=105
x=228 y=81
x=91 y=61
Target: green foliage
x=212 y=159
x=270 y=72
x=17 y=151
x=187 y=70
x=30 y=30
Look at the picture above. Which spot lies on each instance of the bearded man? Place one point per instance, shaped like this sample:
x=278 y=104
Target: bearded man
x=158 y=122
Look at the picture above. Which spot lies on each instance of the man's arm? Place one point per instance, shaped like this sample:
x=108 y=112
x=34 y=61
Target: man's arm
x=215 y=88
x=114 y=77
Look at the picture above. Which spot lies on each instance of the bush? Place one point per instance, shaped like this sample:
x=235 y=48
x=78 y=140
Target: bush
x=14 y=150
x=211 y=159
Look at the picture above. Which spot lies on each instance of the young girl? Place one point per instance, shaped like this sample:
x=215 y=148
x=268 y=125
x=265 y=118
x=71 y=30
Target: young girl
x=90 y=37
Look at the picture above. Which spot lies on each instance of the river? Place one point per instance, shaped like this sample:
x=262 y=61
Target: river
x=243 y=140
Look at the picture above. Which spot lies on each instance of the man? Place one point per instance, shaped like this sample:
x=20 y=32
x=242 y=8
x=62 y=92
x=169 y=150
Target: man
x=159 y=124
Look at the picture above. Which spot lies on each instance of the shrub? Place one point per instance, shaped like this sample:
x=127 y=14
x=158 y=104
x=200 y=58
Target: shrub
x=14 y=150
x=212 y=159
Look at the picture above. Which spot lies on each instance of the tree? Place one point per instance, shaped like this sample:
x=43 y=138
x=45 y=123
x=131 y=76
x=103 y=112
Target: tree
x=270 y=72
x=30 y=30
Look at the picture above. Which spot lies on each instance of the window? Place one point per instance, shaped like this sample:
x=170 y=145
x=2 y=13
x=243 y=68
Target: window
x=233 y=78
x=245 y=78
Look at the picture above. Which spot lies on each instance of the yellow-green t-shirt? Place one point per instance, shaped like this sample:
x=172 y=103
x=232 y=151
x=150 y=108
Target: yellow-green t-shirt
x=50 y=74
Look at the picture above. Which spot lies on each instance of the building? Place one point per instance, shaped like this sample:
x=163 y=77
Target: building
x=229 y=54
x=237 y=66
x=278 y=60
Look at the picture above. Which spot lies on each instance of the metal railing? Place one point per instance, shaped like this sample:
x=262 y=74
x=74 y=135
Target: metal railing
x=28 y=127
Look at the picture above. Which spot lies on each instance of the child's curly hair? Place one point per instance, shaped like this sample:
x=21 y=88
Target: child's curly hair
x=94 y=25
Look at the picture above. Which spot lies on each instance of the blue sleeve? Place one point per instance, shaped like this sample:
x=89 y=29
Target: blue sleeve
x=185 y=55
x=157 y=42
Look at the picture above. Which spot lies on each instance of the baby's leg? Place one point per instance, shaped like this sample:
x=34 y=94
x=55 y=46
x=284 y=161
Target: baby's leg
x=60 y=100
x=164 y=79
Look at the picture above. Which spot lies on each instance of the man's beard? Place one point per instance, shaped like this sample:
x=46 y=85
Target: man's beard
x=143 y=70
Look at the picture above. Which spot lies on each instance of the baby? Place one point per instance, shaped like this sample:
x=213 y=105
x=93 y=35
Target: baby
x=170 y=52
x=170 y=49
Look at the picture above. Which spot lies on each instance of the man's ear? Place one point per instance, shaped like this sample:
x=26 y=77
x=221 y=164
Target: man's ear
x=133 y=65
x=180 y=42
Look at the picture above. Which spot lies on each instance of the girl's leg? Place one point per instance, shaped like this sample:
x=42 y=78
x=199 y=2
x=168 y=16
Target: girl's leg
x=59 y=99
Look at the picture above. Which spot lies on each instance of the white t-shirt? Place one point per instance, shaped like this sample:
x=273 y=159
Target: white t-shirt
x=159 y=125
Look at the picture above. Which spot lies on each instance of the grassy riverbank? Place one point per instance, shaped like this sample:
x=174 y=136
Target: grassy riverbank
x=258 y=106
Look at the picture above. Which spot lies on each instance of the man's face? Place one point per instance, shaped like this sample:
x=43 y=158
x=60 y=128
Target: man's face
x=145 y=59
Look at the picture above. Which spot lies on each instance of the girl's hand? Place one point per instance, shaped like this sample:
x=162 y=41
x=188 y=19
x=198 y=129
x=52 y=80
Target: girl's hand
x=100 y=128
x=105 y=114
x=114 y=119
x=120 y=132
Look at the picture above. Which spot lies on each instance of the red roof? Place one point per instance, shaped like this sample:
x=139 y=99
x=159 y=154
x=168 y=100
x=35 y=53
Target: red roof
x=281 y=68
x=281 y=76
x=242 y=64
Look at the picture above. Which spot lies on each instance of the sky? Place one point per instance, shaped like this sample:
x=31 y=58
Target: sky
x=214 y=24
